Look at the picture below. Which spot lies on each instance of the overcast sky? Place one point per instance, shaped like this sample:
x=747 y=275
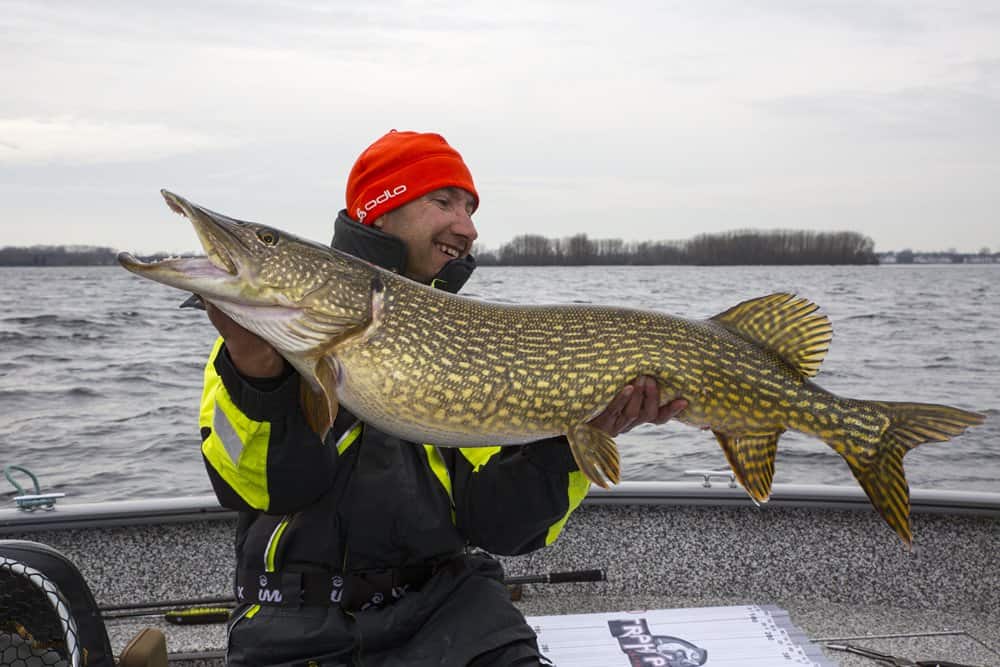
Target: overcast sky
x=634 y=120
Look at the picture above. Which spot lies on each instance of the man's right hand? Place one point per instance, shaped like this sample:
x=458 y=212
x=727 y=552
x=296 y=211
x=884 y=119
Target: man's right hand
x=252 y=355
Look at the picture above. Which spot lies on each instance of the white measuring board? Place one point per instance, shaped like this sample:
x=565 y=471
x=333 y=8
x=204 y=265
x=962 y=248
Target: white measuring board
x=741 y=636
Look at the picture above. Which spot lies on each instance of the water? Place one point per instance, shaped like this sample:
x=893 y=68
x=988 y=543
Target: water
x=100 y=372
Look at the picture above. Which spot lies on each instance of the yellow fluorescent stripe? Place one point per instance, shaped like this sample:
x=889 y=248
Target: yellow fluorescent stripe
x=577 y=489
x=210 y=381
x=478 y=456
x=272 y=545
x=269 y=565
x=247 y=475
x=440 y=471
x=348 y=438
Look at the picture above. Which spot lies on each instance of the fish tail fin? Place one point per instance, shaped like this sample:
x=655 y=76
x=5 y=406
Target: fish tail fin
x=880 y=470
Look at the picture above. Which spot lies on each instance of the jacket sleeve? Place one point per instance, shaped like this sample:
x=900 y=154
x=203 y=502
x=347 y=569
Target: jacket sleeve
x=512 y=500
x=259 y=452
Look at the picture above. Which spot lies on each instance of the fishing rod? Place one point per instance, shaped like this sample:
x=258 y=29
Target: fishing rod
x=516 y=584
x=195 y=611
x=574 y=576
x=181 y=612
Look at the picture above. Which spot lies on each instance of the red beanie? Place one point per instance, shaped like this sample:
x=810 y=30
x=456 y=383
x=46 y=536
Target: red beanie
x=398 y=168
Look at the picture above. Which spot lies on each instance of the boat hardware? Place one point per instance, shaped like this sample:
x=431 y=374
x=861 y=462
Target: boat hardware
x=30 y=502
x=707 y=476
x=895 y=661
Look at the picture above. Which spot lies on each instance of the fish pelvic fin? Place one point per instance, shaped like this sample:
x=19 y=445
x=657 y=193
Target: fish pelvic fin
x=318 y=398
x=596 y=454
x=882 y=476
x=785 y=324
x=751 y=457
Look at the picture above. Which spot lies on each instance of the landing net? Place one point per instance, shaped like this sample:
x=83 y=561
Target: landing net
x=36 y=627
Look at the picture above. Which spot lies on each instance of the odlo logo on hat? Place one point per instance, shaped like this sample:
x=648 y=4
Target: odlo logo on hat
x=362 y=212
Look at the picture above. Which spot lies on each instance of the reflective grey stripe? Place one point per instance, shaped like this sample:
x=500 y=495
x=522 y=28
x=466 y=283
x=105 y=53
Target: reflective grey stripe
x=225 y=432
x=349 y=433
x=272 y=543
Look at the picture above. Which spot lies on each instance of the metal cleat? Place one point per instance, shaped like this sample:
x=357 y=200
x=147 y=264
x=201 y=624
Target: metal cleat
x=707 y=476
x=30 y=502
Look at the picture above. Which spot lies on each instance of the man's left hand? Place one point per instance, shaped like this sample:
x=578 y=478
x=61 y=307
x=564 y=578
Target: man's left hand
x=638 y=403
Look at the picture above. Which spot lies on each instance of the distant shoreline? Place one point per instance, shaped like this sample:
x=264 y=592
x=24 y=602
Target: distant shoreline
x=884 y=259
x=734 y=248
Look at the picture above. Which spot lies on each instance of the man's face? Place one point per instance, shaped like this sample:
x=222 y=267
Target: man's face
x=436 y=229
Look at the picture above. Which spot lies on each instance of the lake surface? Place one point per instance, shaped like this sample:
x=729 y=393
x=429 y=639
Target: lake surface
x=100 y=372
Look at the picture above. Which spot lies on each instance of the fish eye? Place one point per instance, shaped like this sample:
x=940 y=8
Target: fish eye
x=267 y=236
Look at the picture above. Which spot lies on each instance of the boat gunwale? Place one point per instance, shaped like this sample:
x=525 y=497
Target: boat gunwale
x=811 y=496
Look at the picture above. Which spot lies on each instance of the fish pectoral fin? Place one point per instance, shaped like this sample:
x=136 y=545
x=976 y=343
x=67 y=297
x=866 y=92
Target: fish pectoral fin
x=318 y=398
x=751 y=456
x=595 y=453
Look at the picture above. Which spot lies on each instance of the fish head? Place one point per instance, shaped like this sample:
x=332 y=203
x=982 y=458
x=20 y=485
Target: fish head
x=294 y=293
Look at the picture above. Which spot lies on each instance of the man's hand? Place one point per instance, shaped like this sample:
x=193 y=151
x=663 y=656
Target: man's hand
x=638 y=403
x=252 y=355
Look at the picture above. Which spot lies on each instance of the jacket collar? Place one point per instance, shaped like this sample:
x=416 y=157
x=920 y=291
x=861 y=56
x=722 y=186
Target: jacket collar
x=373 y=245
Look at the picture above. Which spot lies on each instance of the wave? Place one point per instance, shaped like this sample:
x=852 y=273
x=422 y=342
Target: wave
x=16 y=337
x=173 y=411
x=38 y=358
x=50 y=319
x=50 y=394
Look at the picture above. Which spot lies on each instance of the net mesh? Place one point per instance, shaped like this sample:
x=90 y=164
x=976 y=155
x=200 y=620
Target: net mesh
x=36 y=626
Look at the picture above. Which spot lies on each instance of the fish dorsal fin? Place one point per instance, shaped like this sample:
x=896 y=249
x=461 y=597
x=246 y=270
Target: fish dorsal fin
x=784 y=324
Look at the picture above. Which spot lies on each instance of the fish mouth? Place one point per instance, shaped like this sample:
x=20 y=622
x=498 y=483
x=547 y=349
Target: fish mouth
x=211 y=230
x=217 y=273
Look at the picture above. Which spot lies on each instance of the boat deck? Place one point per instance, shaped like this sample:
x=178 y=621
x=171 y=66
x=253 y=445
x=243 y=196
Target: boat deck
x=824 y=557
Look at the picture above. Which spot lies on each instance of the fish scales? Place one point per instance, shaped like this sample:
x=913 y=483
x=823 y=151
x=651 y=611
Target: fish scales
x=561 y=371
x=439 y=368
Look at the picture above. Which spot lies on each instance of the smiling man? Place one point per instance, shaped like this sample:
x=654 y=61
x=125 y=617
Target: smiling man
x=436 y=229
x=364 y=548
x=415 y=188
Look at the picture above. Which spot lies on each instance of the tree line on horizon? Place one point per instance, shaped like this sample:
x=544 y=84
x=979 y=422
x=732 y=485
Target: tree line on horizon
x=76 y=255
x=57 y=255
x=740 y=247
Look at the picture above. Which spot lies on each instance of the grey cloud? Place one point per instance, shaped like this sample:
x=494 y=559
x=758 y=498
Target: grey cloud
x=985 y=74
x=287 y=24
x=916 y=113
x=885 y=18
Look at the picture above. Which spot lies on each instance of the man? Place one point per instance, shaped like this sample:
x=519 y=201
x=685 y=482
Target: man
x=359 y=550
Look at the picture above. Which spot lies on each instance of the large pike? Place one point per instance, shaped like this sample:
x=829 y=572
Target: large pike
x=430 y=366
